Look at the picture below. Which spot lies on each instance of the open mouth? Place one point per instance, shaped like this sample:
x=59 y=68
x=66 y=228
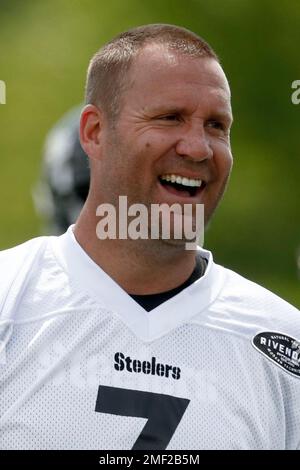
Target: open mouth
x=181 y=186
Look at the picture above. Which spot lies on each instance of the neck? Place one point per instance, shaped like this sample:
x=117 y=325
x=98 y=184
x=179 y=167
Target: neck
x=138 y=266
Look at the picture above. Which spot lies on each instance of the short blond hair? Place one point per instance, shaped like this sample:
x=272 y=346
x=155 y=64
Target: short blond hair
x=107 y=75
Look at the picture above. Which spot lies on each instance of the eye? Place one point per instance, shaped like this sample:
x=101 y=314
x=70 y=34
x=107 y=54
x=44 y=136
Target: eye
x=216 y=125
x=169 y=117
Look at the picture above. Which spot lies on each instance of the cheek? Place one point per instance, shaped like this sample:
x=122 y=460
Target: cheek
x=223 y=161
x=156 y=143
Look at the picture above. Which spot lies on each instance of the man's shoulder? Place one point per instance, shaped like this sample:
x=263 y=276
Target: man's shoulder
x=17 y=264
x=257 y=304
x=17 y=254
x=248 y=289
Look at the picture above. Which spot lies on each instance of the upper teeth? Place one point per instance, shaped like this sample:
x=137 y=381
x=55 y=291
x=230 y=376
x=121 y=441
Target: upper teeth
x=182 y=180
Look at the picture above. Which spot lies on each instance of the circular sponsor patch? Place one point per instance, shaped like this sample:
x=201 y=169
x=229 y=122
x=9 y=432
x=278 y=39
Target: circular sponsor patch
x=281 y=349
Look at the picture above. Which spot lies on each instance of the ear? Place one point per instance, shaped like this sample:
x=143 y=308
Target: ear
x=90 y=130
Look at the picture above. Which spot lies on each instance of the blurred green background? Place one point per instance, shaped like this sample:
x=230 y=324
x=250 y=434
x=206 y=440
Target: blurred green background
x=45 y=46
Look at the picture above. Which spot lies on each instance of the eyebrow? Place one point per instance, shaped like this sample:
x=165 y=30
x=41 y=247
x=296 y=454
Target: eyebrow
x=162 y=109
x=223 y=116
x=165 y=109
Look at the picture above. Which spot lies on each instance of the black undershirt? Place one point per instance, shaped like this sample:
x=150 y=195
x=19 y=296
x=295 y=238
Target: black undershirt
x=150 y=301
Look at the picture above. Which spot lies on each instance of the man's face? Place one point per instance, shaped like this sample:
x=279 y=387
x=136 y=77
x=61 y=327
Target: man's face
x=174 y=122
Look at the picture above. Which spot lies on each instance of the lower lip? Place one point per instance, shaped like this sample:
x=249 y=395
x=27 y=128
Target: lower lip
x=176 y=195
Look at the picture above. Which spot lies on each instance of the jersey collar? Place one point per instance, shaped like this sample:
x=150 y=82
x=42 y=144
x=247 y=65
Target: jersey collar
x=91 y=279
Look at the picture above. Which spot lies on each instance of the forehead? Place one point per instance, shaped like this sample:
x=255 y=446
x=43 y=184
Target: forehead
x=160 y=74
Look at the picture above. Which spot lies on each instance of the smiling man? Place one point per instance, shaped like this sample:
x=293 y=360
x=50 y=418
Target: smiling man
x=168 y=143
x=138 y=343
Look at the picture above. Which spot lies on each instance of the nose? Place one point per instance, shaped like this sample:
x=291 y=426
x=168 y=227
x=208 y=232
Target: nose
x=194 y=144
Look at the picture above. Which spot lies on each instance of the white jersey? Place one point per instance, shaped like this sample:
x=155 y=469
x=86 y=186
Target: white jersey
x=83 y=366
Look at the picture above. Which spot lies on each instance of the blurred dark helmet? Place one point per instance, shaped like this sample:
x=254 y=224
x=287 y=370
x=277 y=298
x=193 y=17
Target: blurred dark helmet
x=64 y=185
